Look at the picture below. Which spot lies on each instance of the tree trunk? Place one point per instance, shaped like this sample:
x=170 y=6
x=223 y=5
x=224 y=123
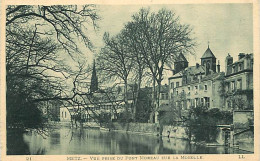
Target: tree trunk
x=157 y=101
x=153 y=101
x=137 y=95
x=125 y=97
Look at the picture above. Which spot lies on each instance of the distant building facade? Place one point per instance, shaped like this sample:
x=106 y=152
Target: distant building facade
x=196 y=85
x=239 y=82
x=204 y=84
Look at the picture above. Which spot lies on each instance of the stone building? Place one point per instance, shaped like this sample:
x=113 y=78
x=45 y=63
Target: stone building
x=205 y=84
x=239 y=82
x=196 y=85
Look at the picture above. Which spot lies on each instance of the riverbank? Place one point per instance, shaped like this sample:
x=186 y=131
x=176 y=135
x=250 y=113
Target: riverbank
x=149 y=129
x=87 y=141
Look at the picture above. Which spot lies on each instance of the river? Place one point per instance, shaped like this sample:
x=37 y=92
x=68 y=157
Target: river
x=64 y=140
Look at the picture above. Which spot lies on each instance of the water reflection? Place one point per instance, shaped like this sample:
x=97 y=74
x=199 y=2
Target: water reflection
x=90 y=141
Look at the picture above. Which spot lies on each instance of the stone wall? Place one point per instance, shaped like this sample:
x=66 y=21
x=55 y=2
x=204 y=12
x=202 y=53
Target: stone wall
x=242 y=119
x=245 y=140
x=148 y=128
x=244 y=129
x=175 y=132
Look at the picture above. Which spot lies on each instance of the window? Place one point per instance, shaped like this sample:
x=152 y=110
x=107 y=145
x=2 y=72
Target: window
x=188 y=88
x=239 y=84
x=202 y=101
x=188 y=104
x=162 y=96
x=196 y=87
x=207 y=102
x=233 y=86
x=62 y=114
x=172 y=85
x=65 y=114
x=177 y=84
x=176 y=92
x=166 y=96
x=233 y=69
x=240 y=67
x=182 y=104
x=196 y=102
x=205 y=87
x=195 y=77
x=228 y=86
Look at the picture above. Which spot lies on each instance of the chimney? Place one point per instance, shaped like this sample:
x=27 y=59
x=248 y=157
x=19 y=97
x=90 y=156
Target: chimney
x=218 y=67
x=197 y=65
x=200 y=77
x=173 y=72
x=241 y=55
x=228 y=61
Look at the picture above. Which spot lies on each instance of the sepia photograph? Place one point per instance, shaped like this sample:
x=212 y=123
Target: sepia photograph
x=136 y=79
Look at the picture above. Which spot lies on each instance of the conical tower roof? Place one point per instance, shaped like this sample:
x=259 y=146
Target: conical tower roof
x=208 y=54
x=94 y=79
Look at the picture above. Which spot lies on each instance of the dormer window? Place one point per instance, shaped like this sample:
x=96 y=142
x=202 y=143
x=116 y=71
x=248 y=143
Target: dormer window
x=240 y=67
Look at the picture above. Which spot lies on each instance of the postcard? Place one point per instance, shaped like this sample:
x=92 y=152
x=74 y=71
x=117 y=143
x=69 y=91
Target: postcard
x=129 y=80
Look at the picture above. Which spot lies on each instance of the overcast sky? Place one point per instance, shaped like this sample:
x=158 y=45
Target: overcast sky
x=228 y=27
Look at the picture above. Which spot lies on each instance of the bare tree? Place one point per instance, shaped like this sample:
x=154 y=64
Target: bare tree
x=139 y=70
x=66 y=23
x=159 y=37
x=114 y=62
x=36 y=38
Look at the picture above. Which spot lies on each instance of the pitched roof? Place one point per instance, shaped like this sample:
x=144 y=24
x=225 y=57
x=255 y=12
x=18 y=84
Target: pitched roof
x=191 y=70
x=195 y=69
x=208 y=54
x=214 y=76
x=180 y=58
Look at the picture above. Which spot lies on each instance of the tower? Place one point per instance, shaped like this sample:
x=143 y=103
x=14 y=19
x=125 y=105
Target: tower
x=208 y=60
x=180 y=63
x=94 y=79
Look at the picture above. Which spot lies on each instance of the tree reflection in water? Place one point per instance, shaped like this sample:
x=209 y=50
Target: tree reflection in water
x=91 y=141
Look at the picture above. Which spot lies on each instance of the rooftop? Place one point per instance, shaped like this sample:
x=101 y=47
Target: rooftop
x=208 y=54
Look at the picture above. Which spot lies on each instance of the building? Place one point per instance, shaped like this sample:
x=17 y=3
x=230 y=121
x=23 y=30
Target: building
x=163 y=103
x=239 y=82
x=109 y=103
x=89 y=112
x=196 y=85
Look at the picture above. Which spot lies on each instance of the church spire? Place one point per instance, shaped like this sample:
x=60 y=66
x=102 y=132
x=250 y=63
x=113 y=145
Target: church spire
x=94 y=79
